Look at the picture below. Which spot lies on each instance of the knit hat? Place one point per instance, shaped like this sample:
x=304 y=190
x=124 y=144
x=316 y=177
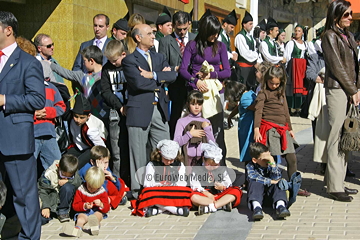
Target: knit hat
x=169 y=149
x=247 y=18
x=231 y=18
x=212 y=151
x=82 y=105
x=164 y=17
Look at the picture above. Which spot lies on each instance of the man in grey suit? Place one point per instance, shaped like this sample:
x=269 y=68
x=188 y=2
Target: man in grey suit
x=146 y=73
x=101 y=26
x=172 y=46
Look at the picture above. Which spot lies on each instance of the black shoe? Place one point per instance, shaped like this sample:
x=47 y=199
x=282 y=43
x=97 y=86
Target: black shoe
x=258 y=214
x=340 y=196
x=64 y=217
x=150 y=212
x=123 y=201
x=185 y=213
x=349 y=173
x=282 y=212
x=228 y=207
x=350 y=191
x=323 y=168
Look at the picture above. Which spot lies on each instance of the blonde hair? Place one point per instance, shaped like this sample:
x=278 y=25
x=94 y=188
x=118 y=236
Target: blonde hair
x=95 y=177
x=134 y=20
x=114 y=49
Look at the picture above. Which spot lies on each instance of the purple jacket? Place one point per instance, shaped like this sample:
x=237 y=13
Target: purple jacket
x=191 y=57
x=192 y=150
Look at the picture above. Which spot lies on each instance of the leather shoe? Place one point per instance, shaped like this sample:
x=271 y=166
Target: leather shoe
x=350 y=191
x=303 y=193
x=258 y=214
x=340 y=196
x=282 y=212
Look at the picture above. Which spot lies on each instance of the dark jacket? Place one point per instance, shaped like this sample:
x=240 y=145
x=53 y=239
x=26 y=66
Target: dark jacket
x=342 y=67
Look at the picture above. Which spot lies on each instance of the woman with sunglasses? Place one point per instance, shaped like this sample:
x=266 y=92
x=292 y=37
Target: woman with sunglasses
x=342 y=86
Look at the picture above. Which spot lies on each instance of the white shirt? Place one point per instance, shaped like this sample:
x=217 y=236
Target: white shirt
x=227 y=37
x=264 y=50
x=7 y=53
x=290 y=47
x=186 y=38
x=101 y=45
x=149 y=180
x=195 y=184
x=243 y=48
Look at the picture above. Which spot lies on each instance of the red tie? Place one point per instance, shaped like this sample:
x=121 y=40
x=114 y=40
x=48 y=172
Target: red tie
x=1 y=53
x=182 y=45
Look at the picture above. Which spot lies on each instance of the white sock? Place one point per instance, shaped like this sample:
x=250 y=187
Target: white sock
x=256 y=204
x=171 y=209
x=212 y=207
x=280 y=203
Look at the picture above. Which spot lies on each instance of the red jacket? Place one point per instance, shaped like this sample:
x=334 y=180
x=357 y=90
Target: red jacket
x=266 y=126
x=82 y=196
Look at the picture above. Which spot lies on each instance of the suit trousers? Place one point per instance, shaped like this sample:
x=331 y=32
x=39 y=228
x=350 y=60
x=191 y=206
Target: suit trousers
x=21 y=172
x=336 y=100
x=257 y=191
x=139 y=138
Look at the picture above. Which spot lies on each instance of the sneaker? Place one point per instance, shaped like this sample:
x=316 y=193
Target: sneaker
x=258 y=213
x=282 y=212
x=64 y=217
x=70 y=230
x=228 y=207
x=123 y=201
x=94 y=225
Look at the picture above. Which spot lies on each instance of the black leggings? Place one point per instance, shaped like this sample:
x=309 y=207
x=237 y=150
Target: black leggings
x=291 y=163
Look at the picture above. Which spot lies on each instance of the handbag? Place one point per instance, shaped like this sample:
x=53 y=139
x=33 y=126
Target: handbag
x=62 y=137
x=350 y=136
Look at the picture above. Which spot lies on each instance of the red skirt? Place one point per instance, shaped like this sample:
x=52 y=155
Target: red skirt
x=167 y=196
x=235 y=191
x=114 y=194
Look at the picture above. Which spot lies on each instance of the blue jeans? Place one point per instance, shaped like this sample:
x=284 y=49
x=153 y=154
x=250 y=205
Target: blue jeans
x=48 y=150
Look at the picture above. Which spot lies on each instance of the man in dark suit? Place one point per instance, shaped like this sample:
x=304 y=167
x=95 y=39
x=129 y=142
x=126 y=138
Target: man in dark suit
x=101 y=26
x=147 y=107
x=22 y=92
x=172 y=46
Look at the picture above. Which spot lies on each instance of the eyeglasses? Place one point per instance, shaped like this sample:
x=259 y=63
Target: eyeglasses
x=49 y=45
x=182 y=29
x=347 y=14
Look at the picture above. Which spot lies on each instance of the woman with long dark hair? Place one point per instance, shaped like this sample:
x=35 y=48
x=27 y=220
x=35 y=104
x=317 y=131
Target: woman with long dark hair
x=341 y=85
x=206 y=47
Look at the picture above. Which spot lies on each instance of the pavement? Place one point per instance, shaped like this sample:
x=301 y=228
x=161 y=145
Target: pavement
x=312 y=218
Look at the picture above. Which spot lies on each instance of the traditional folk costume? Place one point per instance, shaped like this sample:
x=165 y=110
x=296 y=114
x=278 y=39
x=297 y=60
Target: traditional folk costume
x=268 y=48
x=164 y=185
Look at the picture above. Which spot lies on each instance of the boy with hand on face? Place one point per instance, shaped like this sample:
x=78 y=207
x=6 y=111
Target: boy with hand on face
x=85 y=130
x=263 y=176
x=57 y=187
x=114 y=186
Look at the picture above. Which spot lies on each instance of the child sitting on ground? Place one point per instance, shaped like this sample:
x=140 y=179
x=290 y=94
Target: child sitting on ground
x=114 y=186
x=86 y=131
x=216 y=192
x=164 y=184
x=263 y=176
x=57 y=187
x=91 y=204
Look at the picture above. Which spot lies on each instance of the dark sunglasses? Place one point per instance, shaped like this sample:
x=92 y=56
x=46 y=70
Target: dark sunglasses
x=49 y=45
x=181 y=29
x=347 y=14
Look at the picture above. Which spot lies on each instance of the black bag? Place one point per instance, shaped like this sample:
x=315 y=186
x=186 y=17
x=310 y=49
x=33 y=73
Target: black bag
x=62 y=136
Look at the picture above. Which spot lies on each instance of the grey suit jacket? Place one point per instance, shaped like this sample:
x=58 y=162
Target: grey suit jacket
x=169 y=47
x=79 y=63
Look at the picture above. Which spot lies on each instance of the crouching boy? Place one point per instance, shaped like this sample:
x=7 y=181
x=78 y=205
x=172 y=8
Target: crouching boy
x=263 y=176
x=57 y=187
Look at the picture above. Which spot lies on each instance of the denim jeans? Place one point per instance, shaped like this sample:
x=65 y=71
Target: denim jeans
x=48 y=150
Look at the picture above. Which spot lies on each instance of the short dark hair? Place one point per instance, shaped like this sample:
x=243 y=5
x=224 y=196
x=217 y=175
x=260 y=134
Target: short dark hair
x=180 y=18
x=107 y=19
x=68 y=164
x=99 y=152
x=233 y=91
x=256 y=149
x=93 y=52
x=39 y=38
x=134 y=32
x=8 y=19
